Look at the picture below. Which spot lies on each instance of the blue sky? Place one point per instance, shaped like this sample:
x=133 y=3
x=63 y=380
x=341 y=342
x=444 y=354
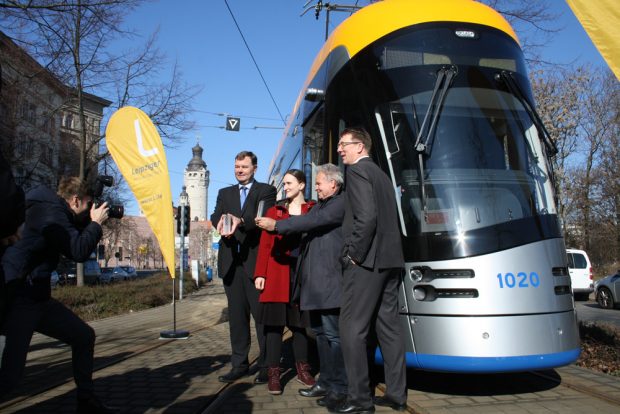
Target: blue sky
x=201 y=36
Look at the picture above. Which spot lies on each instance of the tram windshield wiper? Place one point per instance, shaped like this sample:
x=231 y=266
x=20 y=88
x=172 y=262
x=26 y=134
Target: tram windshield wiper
x=517 y=92
x=445 y=75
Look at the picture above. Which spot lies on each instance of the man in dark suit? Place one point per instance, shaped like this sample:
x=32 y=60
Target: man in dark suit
x=372 y=264
x=320 y=272
x=237 y=259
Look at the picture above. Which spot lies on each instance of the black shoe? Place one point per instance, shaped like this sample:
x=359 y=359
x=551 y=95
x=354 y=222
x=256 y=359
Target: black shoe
x=386 y=402
x=262 y=377
x=92 y=405
x=233 y=375
x=315 y=391
x=332 y=400
x=349 y=407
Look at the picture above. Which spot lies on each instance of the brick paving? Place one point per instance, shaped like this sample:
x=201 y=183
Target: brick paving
x=140 y=373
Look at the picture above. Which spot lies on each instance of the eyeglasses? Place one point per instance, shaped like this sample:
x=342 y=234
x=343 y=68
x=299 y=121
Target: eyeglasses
x=345 y=143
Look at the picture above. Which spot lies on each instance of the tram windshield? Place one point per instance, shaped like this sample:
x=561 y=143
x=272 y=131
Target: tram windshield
x=478 y=179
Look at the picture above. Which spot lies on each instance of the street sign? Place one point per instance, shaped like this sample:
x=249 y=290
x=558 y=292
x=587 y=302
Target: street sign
x=232 y=124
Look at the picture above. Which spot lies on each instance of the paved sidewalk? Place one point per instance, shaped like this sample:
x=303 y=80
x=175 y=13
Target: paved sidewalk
x=142 y=374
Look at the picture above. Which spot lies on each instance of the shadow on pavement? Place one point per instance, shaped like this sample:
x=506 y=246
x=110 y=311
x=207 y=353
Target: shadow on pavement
x=481 y=384
x=141 y=389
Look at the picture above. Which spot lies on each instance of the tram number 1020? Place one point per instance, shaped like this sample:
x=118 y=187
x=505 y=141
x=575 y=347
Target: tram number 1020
x=520 y=280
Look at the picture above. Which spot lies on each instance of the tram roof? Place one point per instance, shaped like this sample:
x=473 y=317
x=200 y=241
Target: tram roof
x=384 y=17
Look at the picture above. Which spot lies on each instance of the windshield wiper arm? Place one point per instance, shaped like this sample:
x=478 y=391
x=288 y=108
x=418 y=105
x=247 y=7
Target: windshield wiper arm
x=515 y=89
x=443 y=82
x=445 y=75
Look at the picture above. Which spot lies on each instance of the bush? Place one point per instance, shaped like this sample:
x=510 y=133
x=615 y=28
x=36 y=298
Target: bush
x=102 y=301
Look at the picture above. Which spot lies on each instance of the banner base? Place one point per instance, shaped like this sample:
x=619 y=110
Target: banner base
x=174 y=334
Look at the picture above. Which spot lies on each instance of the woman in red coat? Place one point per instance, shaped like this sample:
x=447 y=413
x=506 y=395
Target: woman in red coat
x=275 y=278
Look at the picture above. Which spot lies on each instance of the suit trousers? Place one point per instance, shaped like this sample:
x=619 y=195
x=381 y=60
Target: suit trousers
x=370 y=298
x=53 y=319
x=242 y=298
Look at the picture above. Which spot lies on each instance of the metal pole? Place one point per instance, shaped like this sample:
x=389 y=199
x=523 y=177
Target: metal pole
x=182 y=264
x=174 y=308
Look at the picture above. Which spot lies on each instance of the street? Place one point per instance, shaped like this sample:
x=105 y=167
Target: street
x=590 y=311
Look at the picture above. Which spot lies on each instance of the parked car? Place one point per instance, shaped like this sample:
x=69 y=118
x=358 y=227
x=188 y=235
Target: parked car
x=54 y=279
x=581 y=274
x=92 y=272
x=113 y=274
x=131 y=271
x=67 y=271
x=67 y=276
x=608 y=291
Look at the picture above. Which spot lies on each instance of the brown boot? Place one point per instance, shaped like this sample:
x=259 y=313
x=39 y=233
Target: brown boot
x=273 y=383
x=303 y=374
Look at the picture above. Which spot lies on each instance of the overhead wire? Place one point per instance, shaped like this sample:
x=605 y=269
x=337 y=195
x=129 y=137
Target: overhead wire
x=236 y=115
x=254 y=60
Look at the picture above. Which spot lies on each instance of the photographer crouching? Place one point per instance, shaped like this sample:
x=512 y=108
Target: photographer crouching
x=65 y=223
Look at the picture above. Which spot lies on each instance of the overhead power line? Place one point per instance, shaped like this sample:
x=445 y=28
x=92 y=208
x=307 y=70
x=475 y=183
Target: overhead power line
x=236 y=115
x=254 y=60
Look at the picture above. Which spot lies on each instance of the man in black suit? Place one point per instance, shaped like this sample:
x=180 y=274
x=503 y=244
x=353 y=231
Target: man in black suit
x=372 y=264
x=237 y=259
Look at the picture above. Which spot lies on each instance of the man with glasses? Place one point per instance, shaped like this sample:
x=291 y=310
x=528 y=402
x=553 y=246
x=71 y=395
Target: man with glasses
x=56 y=223
x=372 y=261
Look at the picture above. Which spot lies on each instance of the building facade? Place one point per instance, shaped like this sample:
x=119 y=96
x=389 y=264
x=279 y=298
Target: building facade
x=39 y=122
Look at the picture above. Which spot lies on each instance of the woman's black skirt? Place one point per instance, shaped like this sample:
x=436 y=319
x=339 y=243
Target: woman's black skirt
x=282 y=314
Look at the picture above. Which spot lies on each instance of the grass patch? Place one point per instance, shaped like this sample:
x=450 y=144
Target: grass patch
x=96 y=302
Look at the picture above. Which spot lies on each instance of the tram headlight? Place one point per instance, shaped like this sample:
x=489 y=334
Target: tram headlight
x=416 y=274
x=419 y=293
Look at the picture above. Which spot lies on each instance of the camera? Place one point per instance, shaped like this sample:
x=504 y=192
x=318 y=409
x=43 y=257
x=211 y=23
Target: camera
x=114 y=210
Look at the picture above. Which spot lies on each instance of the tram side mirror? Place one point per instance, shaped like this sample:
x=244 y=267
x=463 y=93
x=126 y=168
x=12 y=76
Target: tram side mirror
x=314 y=95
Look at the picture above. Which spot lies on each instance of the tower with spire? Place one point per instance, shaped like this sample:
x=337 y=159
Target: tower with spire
x=196 y=181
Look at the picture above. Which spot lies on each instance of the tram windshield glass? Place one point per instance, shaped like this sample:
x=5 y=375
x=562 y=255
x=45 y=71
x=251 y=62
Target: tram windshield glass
x=474 y=177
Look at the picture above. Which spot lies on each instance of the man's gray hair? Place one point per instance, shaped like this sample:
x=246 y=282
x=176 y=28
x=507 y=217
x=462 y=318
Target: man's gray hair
x=331 y=172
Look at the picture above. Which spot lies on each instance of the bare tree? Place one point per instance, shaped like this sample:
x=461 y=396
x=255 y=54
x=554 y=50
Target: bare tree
x=533 y=21
x=70 y=38
x=557 y=93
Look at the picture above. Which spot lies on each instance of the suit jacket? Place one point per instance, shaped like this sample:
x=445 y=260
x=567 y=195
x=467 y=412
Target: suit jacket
x=319 y=264
x=372 y=237
x=242 y=247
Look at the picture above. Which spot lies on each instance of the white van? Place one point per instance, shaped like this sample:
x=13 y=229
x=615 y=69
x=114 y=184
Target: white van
x=581 y=275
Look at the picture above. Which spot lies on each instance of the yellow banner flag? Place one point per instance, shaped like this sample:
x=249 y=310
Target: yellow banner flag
x=601 y=20
x=136 y=147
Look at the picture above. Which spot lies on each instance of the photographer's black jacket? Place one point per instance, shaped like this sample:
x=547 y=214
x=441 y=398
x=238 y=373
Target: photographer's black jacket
x=49 y=230
x=11 y=202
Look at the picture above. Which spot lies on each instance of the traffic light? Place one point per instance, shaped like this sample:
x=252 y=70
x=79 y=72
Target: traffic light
x=186 y=220
x=178 y=218
x=120 y=252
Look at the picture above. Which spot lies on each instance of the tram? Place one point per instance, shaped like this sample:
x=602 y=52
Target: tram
x=442 y=88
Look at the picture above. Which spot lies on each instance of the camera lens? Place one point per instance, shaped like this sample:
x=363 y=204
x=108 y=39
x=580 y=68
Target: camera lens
x=116 y=211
